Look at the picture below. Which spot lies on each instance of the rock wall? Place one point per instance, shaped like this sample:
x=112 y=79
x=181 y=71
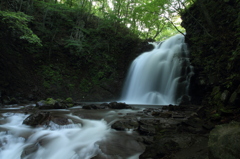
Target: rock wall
x=212 y=33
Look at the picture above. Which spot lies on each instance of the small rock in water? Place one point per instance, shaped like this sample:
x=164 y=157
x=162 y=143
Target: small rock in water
x=90 y=106
x=126 y=125
x=116 y=105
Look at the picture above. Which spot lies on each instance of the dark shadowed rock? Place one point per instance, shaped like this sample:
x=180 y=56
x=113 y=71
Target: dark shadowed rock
x=224 y=141
x=149 y=121
x=185 y=100
x=147 y=130
x=126 y=124
x=160 y=149
x=90 y=106
x=194 y=125
x=60 y=120
x=194 y=122
x=116 y=105
x=42 y=118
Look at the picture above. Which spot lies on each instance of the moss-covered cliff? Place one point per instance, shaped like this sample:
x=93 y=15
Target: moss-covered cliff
x=213 y=36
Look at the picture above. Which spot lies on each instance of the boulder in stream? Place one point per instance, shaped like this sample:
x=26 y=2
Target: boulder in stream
x=224 y=141
x=116 y=105
x=51 y=103
x=41 y=118
x=130 y=124
x=44 y=119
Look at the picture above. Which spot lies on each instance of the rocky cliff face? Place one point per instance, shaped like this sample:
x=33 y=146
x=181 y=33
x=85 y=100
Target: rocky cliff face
x=213 y=31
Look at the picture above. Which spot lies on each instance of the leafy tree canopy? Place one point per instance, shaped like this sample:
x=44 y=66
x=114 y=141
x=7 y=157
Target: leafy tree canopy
x=153 y=19
x=17 y=23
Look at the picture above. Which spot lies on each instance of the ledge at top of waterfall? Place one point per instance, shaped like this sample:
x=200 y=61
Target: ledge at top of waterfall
x=161 y=76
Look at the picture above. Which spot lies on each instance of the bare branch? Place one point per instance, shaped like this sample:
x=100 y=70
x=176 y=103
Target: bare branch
x=174 y=26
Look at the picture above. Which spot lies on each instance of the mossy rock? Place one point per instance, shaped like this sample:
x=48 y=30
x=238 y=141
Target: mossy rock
x=51 y=103
x=224 y=141
x=69 y=100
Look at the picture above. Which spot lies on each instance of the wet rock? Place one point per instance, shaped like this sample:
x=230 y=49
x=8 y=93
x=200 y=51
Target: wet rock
x=194 y=122
x=116 y=105
x=41 y=118
x=192 y=125
x=178 y=115
x=171 y=107
x=185 y=100
x=148 y=140
x=44 y=119
x=160 y=149
x=224 y=141
x=165 y=115
x=51 y=103
x=147 y=130
x=104 y=106
x=28 y=109
x=126 y=125
x=201 y=112
x=165 y=108
x=178 y=108
x=90 y=106
x=156 y=113
x=60 y=120
x=149 y=121
x=69 y=102
x=29 y=150
x=208 y=125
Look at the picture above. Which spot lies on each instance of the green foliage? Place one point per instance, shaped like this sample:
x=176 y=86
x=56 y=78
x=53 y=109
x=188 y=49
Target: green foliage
x=17 y=22
x=52 y=75
x=69 y=100
x=85 y=44
x=85 y=85
x=148 y=19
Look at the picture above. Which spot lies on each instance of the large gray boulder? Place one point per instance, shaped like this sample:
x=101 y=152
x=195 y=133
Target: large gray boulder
x=224 y=141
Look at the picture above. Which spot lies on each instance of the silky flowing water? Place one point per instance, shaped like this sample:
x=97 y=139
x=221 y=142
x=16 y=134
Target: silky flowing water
x=161 y=76
x=81 y=139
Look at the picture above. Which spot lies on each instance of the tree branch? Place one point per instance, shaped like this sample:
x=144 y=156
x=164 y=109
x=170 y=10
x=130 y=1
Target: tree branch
x=174 y=26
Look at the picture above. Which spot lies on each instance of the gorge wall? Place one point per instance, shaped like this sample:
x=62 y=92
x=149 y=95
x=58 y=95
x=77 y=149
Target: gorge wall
x=213 y=37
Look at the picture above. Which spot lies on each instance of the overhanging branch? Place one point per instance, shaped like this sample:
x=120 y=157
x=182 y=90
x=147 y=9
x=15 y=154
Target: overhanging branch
x=175 y=26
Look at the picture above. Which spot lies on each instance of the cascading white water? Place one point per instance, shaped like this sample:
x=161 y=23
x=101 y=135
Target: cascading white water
x=72 y=141
x=80 y=139
x=161 y=76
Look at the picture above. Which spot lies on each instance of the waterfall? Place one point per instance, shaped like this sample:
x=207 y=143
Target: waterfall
x=161 y=76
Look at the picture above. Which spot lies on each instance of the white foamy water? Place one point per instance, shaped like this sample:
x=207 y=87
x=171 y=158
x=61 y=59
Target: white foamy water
x=73 y=141
x=81 y=139
x=161 y=76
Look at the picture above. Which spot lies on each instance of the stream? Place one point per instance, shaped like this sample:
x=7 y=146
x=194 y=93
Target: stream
x=159 y=77
x=88 y=135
